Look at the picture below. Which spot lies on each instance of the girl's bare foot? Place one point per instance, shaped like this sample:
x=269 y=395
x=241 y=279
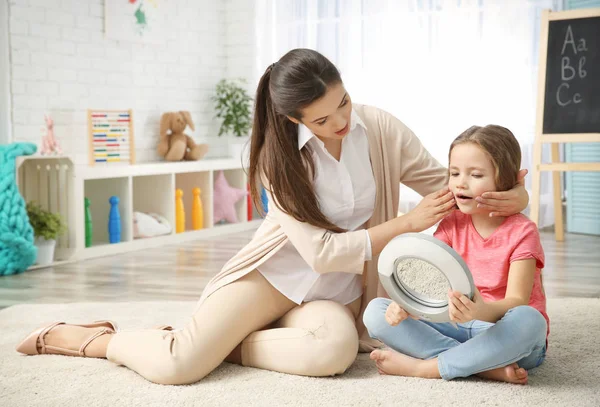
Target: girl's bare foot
x=72 y=337
x=391 y=362
x=510 y=374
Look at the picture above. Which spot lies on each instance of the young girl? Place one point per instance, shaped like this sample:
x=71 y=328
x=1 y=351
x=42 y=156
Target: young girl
x=503 y=331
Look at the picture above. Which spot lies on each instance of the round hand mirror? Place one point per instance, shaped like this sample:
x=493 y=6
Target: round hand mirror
x=417 y=270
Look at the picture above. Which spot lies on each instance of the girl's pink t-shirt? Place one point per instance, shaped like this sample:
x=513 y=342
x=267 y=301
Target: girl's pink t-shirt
x=489 y=260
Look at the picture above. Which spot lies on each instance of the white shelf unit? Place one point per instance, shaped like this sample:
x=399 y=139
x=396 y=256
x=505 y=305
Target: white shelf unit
x=59 y=185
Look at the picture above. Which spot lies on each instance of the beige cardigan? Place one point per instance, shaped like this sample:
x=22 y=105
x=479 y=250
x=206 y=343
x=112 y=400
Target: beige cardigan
x=397 y=156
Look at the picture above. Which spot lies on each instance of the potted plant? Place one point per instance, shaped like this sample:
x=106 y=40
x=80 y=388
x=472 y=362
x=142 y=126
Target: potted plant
x=233 y=107
x=47 y=226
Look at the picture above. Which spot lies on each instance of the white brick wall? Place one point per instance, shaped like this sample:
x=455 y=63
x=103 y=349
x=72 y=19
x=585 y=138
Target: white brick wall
x=239 y=43
x=61 y=64
x=5 y=121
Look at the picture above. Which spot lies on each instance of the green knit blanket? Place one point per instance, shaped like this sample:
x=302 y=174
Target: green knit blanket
x=17 y=250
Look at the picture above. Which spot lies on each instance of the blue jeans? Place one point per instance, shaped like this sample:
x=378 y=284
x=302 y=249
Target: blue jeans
x=476 y=346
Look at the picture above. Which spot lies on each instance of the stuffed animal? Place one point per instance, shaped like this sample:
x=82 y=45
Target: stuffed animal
x=176 y=145
x=50 y=145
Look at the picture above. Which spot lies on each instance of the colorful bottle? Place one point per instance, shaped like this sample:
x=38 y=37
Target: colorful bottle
x=114 y=221
x=88 y=223
x=264 y=200
x=197 y=210
x=179 y=212
x=249 y=204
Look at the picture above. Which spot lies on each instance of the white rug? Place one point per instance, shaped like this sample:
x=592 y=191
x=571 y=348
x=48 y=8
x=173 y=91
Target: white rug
x=569 y=376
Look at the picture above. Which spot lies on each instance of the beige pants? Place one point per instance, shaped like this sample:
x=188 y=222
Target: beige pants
x=315 y=339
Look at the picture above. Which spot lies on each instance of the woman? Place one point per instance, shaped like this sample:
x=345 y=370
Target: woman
x=292 y=299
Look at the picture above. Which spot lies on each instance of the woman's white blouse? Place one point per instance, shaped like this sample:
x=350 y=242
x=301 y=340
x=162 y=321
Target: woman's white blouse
x=346 y=193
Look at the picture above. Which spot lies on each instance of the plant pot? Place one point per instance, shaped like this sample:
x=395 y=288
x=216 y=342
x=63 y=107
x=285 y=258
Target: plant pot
x=45 y=255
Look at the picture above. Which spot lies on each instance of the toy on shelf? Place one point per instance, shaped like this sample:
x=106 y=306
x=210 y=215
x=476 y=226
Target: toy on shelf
x=17 y=248
x=149 y=225
x=264 y=200
x=197 y=210
x=174 y=144
x=50 y=145
x=88 y=223
x=179 y=212
x=111 y=137
x=114 y=221
x=249 y=203
x=225 y=199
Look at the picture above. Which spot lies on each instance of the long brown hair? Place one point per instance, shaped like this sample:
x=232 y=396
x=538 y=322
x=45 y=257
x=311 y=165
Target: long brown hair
x=299 y=78
x=501 y=146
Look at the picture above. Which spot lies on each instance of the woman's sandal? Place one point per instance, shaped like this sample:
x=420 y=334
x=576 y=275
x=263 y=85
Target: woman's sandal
x=29 y=346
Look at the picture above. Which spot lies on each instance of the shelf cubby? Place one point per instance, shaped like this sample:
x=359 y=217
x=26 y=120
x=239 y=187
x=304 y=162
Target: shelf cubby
x=49 y=183
x=152 y=194
x=187 y=181
x=237 y=179
x=99 y=191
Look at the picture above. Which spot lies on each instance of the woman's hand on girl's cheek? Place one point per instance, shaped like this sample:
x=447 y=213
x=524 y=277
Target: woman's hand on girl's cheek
x=521 y=177
x=506 y=203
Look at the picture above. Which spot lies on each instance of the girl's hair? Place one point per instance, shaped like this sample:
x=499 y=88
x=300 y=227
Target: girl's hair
x=501 y=146
x=299 y=78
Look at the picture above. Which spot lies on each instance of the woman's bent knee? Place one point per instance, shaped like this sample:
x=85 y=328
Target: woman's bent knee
x=331 y=341
x=332 y=352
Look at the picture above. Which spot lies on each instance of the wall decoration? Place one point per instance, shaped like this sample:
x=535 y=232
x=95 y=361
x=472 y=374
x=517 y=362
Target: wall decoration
x=135 y=20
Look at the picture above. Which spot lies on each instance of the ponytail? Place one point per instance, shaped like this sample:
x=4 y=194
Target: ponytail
x=263 y=107
x=274 y=154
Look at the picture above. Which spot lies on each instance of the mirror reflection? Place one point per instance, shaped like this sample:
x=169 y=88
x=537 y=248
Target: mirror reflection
x=424 y=279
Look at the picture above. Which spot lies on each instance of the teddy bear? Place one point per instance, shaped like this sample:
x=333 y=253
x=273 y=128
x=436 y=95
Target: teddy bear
x=176 y=145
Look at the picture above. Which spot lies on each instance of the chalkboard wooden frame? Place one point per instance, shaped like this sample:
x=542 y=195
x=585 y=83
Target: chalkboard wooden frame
x=556 y=167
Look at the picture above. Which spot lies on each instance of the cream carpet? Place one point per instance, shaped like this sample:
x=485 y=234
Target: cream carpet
x=570 y=375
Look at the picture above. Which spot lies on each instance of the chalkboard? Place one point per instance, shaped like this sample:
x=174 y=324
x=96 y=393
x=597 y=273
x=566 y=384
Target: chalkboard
x=572 y=91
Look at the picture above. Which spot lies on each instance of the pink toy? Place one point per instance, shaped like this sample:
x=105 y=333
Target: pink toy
x=49 y=143
x=225 y=198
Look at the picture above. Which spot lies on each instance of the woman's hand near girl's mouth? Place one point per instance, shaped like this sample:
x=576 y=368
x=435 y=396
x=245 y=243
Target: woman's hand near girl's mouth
x=506 y=203
x=432 y=209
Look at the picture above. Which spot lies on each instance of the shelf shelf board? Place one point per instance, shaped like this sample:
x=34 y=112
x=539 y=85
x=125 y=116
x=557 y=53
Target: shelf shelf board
x=155 y=168
x=174 y=238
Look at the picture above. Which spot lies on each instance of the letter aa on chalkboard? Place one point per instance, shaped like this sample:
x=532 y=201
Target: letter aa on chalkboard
x=572 y=94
